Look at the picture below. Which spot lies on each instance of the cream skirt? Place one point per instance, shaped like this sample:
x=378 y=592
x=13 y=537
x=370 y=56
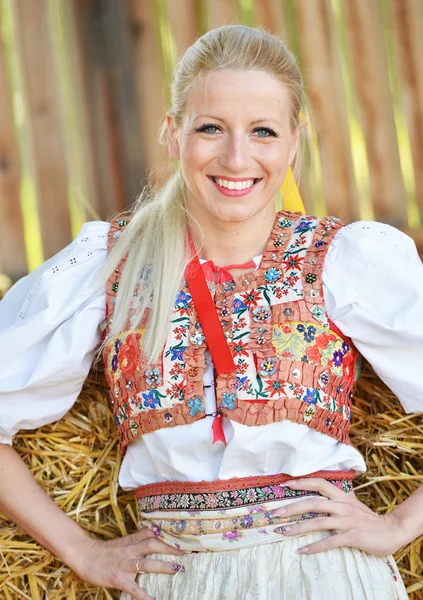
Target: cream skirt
x=275 y=571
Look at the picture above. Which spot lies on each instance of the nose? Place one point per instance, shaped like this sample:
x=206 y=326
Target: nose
x=236 y=156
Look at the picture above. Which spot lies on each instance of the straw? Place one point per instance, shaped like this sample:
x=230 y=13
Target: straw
x=76 y=460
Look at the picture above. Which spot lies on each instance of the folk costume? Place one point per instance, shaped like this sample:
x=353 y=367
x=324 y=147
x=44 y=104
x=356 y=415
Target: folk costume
x=207 y=447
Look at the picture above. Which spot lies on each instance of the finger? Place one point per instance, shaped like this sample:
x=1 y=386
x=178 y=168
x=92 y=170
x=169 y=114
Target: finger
x=150 y=565
x=311 y=525
x=310 y=505
x=138 y=536
x=317 y=484
x=133 y=538
x=152 y=546
x=131 y=588
x=338 y=540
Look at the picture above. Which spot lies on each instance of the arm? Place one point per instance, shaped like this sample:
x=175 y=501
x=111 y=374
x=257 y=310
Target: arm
x=409 y=517
x=373 y=287
x=102 y=563
x=23 y=501
x=355 y=524
x=49 y=329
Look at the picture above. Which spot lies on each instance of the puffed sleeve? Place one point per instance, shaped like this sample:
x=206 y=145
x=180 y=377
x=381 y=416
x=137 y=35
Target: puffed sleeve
x=373 y=287
x=50 y=325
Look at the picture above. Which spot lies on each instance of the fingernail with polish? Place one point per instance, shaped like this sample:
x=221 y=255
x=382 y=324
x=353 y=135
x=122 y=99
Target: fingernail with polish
x=282 y=529
x=178 y=568
x=302 y=550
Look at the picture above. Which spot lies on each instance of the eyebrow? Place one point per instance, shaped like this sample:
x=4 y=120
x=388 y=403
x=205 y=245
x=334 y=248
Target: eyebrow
x=252 y=122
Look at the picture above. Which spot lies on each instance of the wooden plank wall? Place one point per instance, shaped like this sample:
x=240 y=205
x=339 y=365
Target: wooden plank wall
x=81 y=124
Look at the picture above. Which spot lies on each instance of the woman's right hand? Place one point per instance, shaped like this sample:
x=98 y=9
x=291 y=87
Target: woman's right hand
x=112 y=563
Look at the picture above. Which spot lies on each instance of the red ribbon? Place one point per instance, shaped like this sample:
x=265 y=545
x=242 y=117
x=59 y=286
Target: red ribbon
x=209 y=268
x=196 y=275
x=207 y=315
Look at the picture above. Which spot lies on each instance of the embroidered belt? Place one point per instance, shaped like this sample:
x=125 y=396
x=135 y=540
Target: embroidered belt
x=212 y=515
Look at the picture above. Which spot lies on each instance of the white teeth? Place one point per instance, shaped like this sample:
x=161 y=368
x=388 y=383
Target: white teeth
x=234 y=185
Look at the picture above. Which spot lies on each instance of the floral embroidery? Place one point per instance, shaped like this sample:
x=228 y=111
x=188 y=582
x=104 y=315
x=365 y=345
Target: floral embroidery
x=251 y=298
x=308 y=413
x=311 y=396
x=279 y=240
x=294 y=262
x=231 y=529
x=228 y=499
x=151 y=399
x=304 y=226
x=231 y=536
x=272 y=274
x=267 y=367
x=197 y=339
x=228 y=400
x=239 y=306
x=273 y=387
x=177 y=353
x=153 y=376
x=129 y=353
x=313 y=344
x=183 y=303
x=241 y=348
x=285 y=223
x=262 y=349
x=195 y=405
x=261 y=313
x=177 y=391
x=324 y=380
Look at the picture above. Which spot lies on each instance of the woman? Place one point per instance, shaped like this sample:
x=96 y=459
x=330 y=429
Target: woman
x=232 y=402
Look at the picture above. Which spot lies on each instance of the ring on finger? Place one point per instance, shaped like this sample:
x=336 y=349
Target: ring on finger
x=137 y=566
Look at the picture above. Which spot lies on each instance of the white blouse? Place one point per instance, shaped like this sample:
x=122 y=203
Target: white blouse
x=51 y=322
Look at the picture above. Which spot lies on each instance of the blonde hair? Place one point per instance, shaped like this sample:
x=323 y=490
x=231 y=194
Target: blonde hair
x=155 y=239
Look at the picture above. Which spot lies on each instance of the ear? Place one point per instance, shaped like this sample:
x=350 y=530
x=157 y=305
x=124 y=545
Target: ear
x=172 y=138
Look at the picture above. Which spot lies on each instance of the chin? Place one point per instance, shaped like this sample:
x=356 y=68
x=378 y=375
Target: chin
x=234 y=214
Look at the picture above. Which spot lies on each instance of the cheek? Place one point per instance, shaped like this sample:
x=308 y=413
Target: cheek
x=276 y=160
x=196 y=154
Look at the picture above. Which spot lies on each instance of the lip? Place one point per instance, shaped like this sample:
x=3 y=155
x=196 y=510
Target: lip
x=227 y=192
x=233 y=178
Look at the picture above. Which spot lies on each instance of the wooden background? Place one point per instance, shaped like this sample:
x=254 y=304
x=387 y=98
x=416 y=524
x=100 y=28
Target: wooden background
x=83 y=90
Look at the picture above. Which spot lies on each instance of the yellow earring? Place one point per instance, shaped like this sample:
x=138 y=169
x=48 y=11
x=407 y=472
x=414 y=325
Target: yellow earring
x=292 y=200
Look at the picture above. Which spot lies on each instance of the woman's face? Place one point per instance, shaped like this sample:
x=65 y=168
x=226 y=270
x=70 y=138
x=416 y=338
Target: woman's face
x=235 y=144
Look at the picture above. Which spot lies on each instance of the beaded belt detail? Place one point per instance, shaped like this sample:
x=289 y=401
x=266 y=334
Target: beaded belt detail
x=229 y=493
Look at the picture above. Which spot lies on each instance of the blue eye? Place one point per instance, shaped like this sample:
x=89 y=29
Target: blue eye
x=269 y=132
x=207 y=127
x=212 y=129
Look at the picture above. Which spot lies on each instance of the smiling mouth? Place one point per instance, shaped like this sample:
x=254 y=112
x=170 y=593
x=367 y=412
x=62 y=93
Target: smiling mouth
x=235 y=185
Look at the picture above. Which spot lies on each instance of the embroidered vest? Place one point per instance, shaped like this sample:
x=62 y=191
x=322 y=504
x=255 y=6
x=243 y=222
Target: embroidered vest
x=291 y=361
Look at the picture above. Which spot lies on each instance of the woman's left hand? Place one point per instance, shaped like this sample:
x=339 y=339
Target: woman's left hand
x=354 y=523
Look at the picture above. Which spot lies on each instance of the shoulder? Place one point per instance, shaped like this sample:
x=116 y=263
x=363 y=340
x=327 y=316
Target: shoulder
x=89 y=246
x=370 y=239
x=370 y=257
x=64 y=279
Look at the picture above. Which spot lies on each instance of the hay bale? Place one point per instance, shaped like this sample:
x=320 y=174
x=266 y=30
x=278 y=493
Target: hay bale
x=76 y=460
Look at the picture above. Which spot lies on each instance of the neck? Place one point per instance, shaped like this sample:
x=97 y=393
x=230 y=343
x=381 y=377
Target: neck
x=235 y=242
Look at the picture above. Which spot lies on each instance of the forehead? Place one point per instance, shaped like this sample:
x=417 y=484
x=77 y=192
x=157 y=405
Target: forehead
x=231 y=94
